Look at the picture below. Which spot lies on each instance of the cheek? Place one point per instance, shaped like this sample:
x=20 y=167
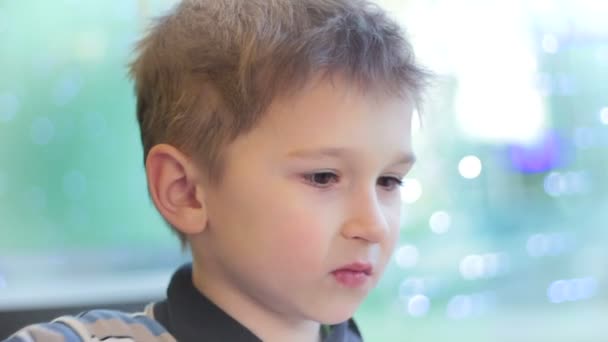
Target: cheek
x=300 y=234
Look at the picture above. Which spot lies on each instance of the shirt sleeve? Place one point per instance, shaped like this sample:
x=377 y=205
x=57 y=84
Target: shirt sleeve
x=45 y=332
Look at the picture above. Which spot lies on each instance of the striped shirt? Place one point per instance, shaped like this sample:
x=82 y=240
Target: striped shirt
x=97 y=325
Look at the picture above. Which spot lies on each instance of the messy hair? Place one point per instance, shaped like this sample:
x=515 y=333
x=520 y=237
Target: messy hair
x=206 y=71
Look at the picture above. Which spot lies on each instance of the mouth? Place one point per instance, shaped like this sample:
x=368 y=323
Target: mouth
x=353 y=275
x=363 y=267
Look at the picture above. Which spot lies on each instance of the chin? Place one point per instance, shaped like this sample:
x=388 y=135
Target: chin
x=336 y=313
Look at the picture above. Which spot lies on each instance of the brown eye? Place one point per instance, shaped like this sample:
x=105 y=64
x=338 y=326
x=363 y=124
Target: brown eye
x=321 y=179
x=390 y=183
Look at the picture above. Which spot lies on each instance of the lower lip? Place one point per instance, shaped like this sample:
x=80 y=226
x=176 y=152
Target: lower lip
x=351 y=279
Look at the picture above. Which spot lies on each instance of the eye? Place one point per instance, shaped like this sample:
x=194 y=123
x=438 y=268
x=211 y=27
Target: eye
x=390 y=183
x=321 y=179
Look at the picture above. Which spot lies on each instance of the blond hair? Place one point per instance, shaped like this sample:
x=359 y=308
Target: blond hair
x=206 y=71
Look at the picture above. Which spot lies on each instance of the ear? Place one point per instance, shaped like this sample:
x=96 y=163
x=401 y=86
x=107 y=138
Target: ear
x=175 y=187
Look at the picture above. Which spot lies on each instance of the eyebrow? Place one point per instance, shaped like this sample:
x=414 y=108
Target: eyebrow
x=336 y=152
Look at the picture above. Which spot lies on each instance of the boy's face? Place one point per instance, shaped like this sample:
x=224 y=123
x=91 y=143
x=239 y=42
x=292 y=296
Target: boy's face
x=312 y=189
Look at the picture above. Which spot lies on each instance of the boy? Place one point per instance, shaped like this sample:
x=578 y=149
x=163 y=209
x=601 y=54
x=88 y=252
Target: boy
x=276 y=134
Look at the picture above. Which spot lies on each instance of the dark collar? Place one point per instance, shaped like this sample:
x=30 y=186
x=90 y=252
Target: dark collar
x=189 y=316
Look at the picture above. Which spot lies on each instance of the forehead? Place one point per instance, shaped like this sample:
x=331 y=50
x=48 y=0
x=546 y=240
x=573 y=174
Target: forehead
x=333 y=109
x=370 y=129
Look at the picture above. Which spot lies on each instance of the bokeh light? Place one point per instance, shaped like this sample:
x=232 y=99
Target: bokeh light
x=571 y=290
x=464 y=306
x=411 y=191
x=412 y=286
x=418 y=305
x=550 y=43
x=478 y=266
x=604 y=115
x=542 y=155
x=539 y=245
x=407 y=256
x=470 y=167
x=440 y=222
x=459 y=307
x=569 y=183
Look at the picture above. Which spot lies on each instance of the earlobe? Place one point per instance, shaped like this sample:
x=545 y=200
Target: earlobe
x=174 y=186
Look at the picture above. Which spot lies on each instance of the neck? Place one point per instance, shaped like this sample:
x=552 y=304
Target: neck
x=266 y=324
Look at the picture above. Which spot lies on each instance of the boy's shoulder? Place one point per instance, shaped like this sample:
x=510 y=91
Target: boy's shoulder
x=185 y=315
x=97 y=325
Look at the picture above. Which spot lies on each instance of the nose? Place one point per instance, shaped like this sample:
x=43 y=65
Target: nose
x=366 y=218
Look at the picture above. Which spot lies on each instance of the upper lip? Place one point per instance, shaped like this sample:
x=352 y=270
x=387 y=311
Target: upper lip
x=358 y=266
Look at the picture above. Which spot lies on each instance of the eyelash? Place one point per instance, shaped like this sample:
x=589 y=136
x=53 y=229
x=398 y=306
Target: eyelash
x=309 y=178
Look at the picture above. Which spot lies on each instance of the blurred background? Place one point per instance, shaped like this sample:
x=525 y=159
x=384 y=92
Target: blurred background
x=506 y=226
